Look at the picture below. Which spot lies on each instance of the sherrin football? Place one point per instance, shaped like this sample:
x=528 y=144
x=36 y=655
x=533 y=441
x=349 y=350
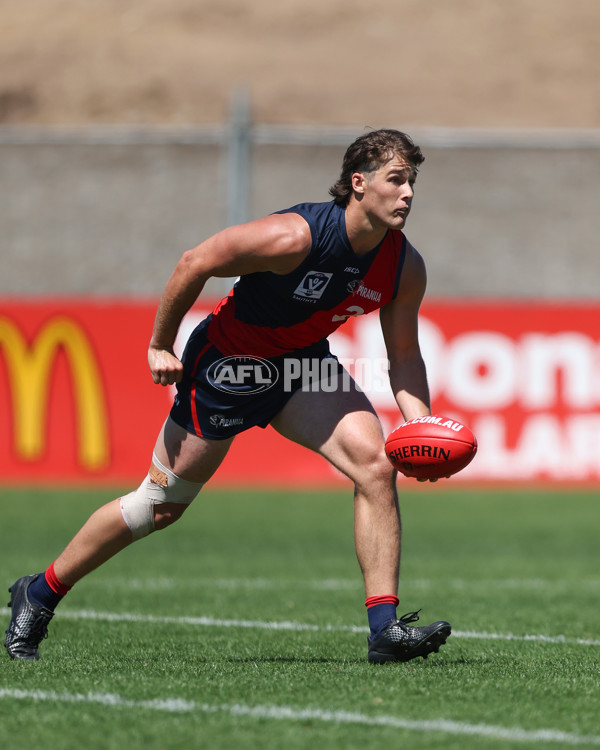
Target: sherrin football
x=431 y=447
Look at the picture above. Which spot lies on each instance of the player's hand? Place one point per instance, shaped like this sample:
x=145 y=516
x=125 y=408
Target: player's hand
x=166 y=369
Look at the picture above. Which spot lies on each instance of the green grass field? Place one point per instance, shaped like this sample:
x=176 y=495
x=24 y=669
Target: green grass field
x=244 y=626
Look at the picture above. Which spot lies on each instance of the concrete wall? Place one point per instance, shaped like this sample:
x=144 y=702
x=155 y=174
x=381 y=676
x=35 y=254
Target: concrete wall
x=101 y=218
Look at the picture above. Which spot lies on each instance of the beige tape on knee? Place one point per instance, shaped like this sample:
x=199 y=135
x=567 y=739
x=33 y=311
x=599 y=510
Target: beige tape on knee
x=159 y=486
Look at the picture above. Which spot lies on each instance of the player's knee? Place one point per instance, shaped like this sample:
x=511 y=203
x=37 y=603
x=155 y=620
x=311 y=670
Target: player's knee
x=373 y=468
x=158 y=502
x=382 y=470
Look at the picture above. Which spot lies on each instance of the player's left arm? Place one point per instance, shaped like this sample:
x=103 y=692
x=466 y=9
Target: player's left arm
x=400 y=326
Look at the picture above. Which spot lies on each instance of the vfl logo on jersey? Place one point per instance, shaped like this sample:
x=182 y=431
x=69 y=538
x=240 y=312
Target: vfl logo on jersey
x=313 y=285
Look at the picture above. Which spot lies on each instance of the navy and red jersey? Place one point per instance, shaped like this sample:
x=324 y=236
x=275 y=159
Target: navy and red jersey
x=268 y=314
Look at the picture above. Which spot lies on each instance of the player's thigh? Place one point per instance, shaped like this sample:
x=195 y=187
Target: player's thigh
x=341 y=426
x=189 y=456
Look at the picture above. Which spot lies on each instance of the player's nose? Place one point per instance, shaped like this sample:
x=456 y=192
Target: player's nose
x=407 y=191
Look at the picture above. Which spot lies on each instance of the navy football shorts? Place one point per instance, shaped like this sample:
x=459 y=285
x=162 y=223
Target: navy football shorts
x=220 y=396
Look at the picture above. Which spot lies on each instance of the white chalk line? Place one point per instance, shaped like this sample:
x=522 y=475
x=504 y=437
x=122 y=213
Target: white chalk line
x=211 y=622
x=342 y=584
x=288 y=713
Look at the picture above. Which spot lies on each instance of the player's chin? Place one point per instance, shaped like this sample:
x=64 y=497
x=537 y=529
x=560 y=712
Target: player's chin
x=398 y=221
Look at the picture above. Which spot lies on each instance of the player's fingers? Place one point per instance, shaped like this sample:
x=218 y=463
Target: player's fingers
x=159 y=376
x=169 y=377
x=165 y=368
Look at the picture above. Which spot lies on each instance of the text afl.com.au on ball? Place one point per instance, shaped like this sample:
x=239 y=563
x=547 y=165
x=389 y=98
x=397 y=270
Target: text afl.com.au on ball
x=245 y=375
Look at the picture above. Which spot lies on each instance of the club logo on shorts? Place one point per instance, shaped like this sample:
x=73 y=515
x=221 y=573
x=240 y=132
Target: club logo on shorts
x=242 y=375
x=313 y=285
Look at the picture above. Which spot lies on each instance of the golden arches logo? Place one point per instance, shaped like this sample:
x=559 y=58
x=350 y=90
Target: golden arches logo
x=29 y=368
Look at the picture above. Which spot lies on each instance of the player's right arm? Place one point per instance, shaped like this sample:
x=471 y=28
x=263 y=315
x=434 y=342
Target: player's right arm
x=277 y=243
x=400 y=324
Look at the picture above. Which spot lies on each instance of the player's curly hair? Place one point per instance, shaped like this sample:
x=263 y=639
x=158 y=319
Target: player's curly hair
x=369 y=152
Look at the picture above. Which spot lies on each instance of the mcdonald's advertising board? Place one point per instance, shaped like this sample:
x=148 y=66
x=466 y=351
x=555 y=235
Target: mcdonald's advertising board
x=78 y=405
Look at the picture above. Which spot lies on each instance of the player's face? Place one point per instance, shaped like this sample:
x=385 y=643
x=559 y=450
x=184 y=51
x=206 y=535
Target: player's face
x=388 y=193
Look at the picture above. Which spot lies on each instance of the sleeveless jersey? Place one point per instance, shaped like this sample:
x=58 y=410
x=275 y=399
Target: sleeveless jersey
x=268 y=314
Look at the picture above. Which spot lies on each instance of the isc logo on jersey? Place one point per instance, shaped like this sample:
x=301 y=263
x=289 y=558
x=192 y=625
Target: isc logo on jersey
x=313 y=285
x=242 y=375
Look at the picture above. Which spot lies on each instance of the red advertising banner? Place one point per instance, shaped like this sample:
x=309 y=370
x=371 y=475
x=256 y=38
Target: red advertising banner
x=78 y=405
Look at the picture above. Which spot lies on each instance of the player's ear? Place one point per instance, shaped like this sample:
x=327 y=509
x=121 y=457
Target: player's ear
x=358 y=182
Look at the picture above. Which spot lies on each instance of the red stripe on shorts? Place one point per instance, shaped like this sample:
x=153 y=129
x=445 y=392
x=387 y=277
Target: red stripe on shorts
x=193 y=391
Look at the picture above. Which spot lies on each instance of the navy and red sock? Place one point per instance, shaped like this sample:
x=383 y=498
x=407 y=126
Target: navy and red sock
x=381 y=610
x=47 y=590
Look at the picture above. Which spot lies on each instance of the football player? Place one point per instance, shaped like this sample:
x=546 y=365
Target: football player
x=262 y=357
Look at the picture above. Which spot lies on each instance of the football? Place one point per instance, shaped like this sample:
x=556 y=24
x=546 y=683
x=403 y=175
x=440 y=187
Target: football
x=431 y=447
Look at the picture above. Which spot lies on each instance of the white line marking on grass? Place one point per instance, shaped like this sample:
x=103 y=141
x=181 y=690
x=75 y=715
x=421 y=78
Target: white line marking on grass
x=212 y=622
x=535 y=638
x=342 y=584
x=286 y=713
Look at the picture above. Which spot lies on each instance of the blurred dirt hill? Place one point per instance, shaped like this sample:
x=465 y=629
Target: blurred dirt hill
x=501 y=63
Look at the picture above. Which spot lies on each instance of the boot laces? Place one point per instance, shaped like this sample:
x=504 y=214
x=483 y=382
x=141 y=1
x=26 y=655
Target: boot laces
x=409 y=617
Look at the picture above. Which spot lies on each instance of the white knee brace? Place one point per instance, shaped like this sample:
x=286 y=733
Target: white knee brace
x=159 y=486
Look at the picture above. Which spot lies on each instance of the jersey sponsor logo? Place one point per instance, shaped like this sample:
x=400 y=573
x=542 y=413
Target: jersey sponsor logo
x=313 y=285
x=220 y=420
x=371 y=294
x=351 y=269
x=242 y=375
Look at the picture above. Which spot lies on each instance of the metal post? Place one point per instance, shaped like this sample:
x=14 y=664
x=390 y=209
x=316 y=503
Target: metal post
x=238 y=158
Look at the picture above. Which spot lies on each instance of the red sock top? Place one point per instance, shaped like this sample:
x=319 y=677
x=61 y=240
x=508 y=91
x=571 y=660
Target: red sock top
x=373 y=601
x=55 y=583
